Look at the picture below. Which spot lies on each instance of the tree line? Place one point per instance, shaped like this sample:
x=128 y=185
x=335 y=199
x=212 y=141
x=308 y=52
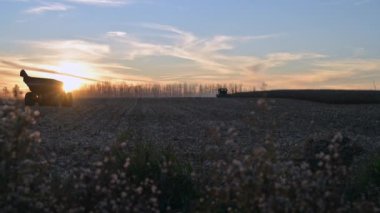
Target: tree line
x=108 y=89
x=15 y=92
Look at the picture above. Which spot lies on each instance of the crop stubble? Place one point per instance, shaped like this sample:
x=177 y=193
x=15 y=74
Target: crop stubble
x=78 y=134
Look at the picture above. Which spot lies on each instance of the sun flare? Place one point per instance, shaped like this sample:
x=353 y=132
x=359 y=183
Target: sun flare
x=71 y=84
x=73 y=74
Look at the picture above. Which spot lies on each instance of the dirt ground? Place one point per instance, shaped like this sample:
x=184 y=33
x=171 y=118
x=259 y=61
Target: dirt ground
x=78 y=134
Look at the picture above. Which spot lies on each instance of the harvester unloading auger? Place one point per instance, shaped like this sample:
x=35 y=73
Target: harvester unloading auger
x=45 y=92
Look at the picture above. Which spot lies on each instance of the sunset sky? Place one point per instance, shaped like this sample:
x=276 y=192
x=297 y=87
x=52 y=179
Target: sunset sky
x=284 y=43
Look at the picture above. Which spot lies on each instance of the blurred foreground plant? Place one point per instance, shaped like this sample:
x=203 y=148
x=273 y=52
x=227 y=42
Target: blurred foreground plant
x=238 y=180
x=258 y=182
x=23 y=169
x=138 y=177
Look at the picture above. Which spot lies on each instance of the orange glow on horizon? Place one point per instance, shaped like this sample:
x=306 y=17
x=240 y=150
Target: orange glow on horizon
x=71 y=83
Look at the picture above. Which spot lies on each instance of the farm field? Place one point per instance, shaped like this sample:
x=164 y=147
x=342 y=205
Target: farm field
x=190 y=155
x=189 y=124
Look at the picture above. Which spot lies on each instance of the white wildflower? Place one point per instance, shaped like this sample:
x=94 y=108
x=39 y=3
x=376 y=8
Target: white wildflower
x=139 y=190
x=154 y=188
x=36 y=113
x=123 y=194
x=127 y=162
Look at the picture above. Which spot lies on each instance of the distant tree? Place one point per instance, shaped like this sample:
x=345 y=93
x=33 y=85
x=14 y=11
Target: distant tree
x=5 y=92
x=264 y=86
x=16 y=91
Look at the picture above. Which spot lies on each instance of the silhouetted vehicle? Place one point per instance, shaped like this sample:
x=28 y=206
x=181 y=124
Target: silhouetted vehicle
x=45 y=92
x=222 y=92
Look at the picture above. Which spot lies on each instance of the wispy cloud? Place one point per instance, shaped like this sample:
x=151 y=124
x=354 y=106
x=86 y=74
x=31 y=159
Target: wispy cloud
x=61 y=7
x=48 y=7
x=78 y=59
x=103 y=2
x=205 y=56
x=39 y=69
x=120 y=55
x=207 y=53
x=345 y=73
x=116 y=56
x=77 y=49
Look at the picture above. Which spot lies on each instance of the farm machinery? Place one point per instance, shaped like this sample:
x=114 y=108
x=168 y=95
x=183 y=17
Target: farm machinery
x=222 y=92
x=45 y=92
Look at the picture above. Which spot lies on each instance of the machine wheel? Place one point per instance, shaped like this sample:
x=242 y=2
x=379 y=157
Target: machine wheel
x=53 y=99
x=30 y=99
x=68 y=100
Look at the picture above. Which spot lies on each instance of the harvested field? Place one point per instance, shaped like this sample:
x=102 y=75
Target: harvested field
x=190 y=155
x=187 y=124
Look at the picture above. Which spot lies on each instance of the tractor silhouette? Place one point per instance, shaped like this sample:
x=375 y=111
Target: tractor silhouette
x=45 y=92
x=222 y=92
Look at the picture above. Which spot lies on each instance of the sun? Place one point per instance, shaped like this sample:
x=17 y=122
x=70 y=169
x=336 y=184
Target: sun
x=75 y=69
x=70 y=84
x=73 y=74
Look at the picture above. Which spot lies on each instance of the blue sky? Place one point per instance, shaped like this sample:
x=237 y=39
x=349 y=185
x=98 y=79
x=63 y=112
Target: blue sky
x=284 y=43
